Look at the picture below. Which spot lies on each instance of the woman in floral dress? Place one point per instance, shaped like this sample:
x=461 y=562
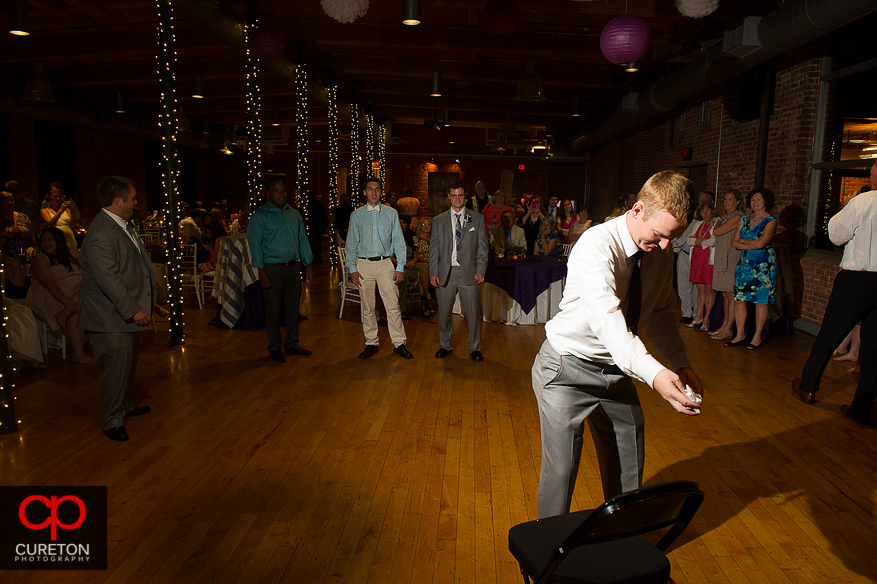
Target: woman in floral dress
x=756 y=277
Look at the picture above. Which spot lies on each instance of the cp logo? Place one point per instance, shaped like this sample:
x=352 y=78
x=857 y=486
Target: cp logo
x=53 y=521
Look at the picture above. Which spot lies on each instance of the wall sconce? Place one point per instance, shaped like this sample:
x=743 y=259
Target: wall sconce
x=411 y=12
x=436 y=84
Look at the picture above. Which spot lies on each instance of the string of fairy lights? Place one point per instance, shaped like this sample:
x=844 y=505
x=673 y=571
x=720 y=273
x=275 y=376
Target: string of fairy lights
x=167 y=122
x=382 y=151
x=8 y=423
x=370 y=145
x=354 y=152
x=254 y=133
x=301 y=117
x=333 y=165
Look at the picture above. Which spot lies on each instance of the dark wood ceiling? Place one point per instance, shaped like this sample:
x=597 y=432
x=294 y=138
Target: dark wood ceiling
x=93 y=49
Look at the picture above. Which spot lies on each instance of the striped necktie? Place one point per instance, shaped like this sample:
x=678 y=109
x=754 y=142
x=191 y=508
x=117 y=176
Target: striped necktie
x=458 y=234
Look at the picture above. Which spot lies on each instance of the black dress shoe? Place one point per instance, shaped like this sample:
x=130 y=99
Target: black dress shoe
x=850 y=412
x=369 y=351
x=403 y=352
x=297 y=349
x=807 y=398
x=138 y=411
x=382 y=322
x=277 y=356
x=406 y=317
x=686 y=320
x=442 y=353
x=118 y=434
x=476 y=356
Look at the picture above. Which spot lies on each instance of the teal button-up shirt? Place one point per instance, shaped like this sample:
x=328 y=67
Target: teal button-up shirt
x=375 y=233
x=277 y=236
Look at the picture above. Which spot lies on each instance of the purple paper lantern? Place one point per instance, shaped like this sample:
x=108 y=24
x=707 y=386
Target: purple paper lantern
x=625 y=39
x=501 y=17
x=267 y=44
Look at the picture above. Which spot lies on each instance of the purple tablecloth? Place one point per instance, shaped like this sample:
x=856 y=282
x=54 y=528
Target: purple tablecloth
x=524 y=280
x=253 y=314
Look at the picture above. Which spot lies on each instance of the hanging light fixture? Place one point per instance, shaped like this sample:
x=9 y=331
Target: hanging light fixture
x=436 y=90
x=120 y=103
x=530 y=87
x=275 y=117
x=447 y=117
x=38 y=89
x=633 y=67
x=625 y=39
x=197 y=89
x=576 y=112
x=411 y=12
x=18 y=24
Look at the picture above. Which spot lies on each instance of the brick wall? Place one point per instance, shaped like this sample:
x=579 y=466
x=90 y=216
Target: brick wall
x=819 y=269
x=101 y=153
x=22 y=155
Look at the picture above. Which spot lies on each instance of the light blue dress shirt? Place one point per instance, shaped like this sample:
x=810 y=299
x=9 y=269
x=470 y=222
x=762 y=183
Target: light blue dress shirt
x=374 y=233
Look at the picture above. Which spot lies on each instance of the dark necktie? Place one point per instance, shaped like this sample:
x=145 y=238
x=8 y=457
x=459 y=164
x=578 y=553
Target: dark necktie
x=635 y=294
x=458 y=235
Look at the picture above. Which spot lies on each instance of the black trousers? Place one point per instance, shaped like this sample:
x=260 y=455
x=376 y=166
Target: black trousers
x=853 y=299
x=285 y=293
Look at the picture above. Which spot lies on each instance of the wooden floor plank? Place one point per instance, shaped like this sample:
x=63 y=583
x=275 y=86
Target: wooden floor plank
x=336 y=469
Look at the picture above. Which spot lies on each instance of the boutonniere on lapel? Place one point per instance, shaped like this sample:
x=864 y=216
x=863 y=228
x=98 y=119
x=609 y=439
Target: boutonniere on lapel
x=467 y=218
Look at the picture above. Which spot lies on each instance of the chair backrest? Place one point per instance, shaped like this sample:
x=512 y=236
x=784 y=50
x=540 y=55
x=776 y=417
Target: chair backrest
x=342 y=255
x=565 y=249
x=634 y=513
x=188 y=260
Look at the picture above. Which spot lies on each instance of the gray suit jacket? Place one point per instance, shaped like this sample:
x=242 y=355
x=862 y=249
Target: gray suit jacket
x=117 y=279
x=473 y=247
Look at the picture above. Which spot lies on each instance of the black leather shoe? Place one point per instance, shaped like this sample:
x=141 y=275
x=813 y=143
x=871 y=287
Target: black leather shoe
x=369 y=351
x=297 y=349
x=476 y=356
x=138 y=411
x=403 y=352
x=807 y=398
x=442 y=353
x=277 y=356
x=406 y=317
x=382 y=322
x=118 y=434
x=850 y=412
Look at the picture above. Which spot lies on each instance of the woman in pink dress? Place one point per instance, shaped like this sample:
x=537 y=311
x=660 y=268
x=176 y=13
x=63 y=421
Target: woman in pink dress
x=565 y=218
x=701 y=242
x=494 y=211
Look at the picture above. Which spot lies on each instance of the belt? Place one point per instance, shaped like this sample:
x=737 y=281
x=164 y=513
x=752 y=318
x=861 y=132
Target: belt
x=375 y=259
x=289 y=263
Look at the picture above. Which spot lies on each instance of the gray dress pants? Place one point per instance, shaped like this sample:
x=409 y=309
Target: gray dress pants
x=570 y=390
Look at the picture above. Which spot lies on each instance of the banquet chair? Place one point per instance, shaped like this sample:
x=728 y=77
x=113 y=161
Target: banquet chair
x=565 y=248
x=188 y=267
x=349 y=291
x=50 y=339
x=605 y=544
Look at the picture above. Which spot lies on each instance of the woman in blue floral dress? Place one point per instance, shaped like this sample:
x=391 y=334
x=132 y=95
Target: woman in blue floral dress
x=756 y=277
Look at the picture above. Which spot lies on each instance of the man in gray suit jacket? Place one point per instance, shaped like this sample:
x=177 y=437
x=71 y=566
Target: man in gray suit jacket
x=457 y=263
x=115 y=299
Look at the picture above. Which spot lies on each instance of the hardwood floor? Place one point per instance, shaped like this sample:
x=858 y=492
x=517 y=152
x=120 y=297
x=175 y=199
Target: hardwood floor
x=339 y=470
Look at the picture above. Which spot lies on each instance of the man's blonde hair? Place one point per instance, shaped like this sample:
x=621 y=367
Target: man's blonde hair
x=666 y=191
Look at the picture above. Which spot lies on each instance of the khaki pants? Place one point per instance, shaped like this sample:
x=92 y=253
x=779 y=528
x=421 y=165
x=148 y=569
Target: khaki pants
x=380 y=274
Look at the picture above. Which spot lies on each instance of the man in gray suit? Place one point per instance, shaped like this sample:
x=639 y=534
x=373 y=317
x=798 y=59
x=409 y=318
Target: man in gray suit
x=115 y=299
x=457 y=262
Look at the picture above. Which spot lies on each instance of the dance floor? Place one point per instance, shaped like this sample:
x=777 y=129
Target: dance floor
x=334 y=469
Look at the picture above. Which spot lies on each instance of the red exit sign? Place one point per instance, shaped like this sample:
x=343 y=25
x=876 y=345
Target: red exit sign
x=522 y=167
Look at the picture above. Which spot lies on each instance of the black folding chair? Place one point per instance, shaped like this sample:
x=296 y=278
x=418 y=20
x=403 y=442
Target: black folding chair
x=605 y=545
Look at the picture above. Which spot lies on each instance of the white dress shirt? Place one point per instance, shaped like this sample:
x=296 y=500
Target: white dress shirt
x=591 y=322
x=123 y=224
x=856 y=226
